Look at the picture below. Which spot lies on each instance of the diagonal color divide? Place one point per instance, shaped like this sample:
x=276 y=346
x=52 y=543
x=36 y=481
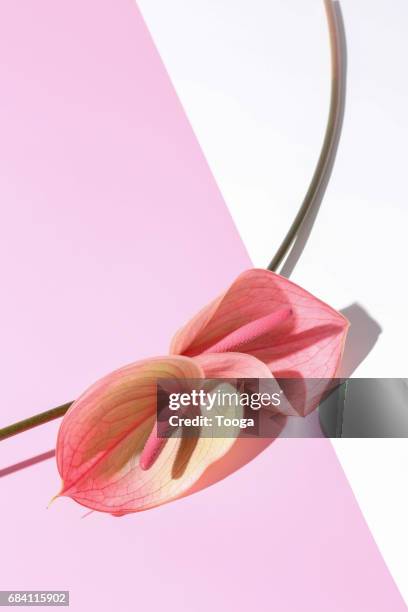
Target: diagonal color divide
x=115 y=233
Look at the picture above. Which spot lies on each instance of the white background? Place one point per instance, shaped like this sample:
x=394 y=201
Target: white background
x=254 y=79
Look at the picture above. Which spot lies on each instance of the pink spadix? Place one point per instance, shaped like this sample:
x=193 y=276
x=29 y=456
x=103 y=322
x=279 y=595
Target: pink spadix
x=251 y=331
x=230 y=343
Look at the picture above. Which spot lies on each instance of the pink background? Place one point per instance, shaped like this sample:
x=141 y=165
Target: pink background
x=113 y=233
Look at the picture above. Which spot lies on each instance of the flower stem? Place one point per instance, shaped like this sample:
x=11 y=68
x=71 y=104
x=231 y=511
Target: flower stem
x=34 y=421
x=325 y=162
x=320 y=175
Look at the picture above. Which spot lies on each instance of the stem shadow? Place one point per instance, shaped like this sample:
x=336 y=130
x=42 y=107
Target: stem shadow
x=21 y=465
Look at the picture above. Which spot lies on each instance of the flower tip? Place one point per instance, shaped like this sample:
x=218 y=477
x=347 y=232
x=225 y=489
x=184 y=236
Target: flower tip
x=60 y=492
x=52 y=500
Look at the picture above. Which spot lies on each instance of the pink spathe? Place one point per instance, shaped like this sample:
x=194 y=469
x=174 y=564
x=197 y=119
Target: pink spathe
x=103 y=187
x=262 y=326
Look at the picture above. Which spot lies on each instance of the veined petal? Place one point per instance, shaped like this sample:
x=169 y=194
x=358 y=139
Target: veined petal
x=232 y=365
x=307 y=344
x=103 y=433
x=300 y=396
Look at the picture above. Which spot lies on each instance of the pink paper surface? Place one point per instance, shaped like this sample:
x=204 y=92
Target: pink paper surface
x=114 y=233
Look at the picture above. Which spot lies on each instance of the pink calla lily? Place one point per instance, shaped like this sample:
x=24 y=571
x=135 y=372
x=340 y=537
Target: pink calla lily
x=108 y=454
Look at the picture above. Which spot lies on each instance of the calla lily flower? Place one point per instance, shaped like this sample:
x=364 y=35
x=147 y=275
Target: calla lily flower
x=108 y=453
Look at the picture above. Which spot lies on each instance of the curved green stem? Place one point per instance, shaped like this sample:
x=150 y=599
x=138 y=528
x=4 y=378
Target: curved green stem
x=322 y=169
x=34 y=421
